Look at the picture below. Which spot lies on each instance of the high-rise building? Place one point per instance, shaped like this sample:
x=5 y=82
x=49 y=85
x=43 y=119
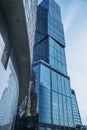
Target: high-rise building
x=54 y=100
x=17 y=29
x=76 y=112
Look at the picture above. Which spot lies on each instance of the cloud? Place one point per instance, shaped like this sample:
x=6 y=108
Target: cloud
x=71 y=13
x=76 y=56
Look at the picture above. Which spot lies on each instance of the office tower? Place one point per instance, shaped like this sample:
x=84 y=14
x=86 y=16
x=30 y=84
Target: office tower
x=76 y=113
x=17 y=29
x=54 y=102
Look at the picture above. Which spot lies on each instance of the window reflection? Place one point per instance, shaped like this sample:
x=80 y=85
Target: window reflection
x=45 y=77
x=1 y=46
x=8 y=91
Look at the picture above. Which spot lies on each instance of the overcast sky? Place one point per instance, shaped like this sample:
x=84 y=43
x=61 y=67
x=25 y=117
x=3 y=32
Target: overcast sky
x=74 y=18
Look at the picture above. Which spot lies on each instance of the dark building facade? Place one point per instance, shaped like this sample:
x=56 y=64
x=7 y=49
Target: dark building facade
x=17 y=31
x=54 y=102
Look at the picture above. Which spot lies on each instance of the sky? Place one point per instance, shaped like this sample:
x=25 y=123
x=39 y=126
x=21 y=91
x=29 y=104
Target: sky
x=74 y=19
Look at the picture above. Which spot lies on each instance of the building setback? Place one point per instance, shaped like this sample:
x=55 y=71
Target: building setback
x=54 y=102
x=76 y=113
x=17 y=31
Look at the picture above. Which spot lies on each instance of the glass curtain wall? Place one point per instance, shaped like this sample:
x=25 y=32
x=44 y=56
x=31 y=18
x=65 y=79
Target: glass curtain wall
x=55 y=100
x=9 y=86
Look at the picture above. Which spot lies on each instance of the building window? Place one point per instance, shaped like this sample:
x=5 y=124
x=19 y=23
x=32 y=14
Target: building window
x=45 y=77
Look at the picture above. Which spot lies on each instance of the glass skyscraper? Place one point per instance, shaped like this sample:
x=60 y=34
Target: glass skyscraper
x=76 y=113
x=54 y=100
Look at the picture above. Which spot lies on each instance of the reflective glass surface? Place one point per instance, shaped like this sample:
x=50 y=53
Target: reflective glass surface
x=9 y=87
x=44 y=97
x=45 y=77
x=54 y=97
x=37 y=87
x=30 y=13
x=55 y=109
x=44 y=105
x=55 y=27
x=76 y=113
x=8 y=91
x=55 y=100
x=43 y=93
x=57 y=56
x=43 y=55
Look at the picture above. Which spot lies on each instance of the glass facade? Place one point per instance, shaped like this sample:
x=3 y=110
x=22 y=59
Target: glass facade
x=54 y=96
x=9 y=71
x=9 y=86
x=77 y=117
x=57 y=56
x=9 y=95
x=30 y=13
x=52 y=81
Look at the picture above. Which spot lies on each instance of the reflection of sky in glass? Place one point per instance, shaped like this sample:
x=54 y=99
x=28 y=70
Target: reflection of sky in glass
x=4 y=74
x=1 y=45
x=9 y=98
x=8 y=90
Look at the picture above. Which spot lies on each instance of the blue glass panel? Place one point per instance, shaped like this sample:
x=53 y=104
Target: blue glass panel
x=9 y=85
x=44 y=105
x=65 y=111
x=39 y=54
x=54 y=81
x=63 y=85
x=55 y=108
x=59 y=83
x=61 y=109
x=56 y=56
x=45 y=76
x=69 y=112
x=37 y=71
x=67 y=85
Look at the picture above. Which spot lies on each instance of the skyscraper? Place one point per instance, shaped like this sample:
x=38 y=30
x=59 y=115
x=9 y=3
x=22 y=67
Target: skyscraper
x=76 y=113
x=54 y=102
x=17 y=31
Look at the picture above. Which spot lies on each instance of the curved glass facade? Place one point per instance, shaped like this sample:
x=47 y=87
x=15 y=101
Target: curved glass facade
x=8 y=95
x=9 y=71
x=9 y=80
x=9 y=86
x=30 y=13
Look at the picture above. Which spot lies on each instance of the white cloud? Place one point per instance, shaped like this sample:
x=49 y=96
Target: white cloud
x=71 y=13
